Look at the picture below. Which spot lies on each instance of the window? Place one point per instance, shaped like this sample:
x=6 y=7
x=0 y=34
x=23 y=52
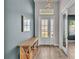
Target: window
x=71 y=27
x=25 y=24
x=44 y=28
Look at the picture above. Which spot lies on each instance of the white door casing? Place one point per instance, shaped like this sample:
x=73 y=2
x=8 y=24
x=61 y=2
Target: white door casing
x=65 y=30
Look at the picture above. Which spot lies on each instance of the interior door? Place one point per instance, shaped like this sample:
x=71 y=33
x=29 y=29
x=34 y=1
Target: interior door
x=65 y=32
x=46 y=31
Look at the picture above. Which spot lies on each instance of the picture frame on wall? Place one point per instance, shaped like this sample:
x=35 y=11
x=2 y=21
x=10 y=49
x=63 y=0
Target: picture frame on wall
x=25 y=24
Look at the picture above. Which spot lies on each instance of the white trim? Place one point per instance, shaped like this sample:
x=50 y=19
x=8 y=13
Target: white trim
x=56 y=45
x=71 y=2
x=65 y=50
x=46 y=0
x=69 y=41
x=48 y=44
x=65 y=11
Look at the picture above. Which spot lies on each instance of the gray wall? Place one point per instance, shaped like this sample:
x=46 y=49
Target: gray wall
x=13 y=35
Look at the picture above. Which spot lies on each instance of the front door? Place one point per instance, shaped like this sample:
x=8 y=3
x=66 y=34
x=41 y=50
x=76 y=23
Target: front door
x=46 y=30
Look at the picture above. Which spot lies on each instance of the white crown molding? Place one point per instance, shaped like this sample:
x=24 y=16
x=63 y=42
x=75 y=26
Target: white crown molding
x=45 y=0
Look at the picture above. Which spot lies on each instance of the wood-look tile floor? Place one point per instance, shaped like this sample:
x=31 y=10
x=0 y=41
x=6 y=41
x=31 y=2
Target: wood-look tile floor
x=51 y=52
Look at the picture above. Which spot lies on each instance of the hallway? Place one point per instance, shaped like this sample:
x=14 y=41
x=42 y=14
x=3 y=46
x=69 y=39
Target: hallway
x=51 y=52
x=42 y=23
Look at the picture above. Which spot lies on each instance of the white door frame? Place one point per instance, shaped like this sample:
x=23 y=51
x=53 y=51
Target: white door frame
x=66 y=7
x=65 y=49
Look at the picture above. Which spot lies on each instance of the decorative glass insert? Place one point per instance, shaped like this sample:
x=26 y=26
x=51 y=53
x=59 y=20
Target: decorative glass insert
x=51 y=32
x=46 y=11
x=44 y=28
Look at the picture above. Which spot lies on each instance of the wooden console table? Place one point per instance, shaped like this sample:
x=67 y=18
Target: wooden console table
x=28 y=48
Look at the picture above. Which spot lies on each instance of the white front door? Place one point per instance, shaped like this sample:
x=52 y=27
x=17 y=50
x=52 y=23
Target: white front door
x=46 y=31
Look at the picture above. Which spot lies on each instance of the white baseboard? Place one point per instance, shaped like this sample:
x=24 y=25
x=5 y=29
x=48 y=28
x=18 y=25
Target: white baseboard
x=71 y=41
x=49 y=44
x=56 y=45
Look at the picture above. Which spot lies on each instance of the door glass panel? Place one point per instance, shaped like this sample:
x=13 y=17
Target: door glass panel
x=65 y=30
x=51 y=32
x=46 y=22
x=42 y=22
x=44 y=28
